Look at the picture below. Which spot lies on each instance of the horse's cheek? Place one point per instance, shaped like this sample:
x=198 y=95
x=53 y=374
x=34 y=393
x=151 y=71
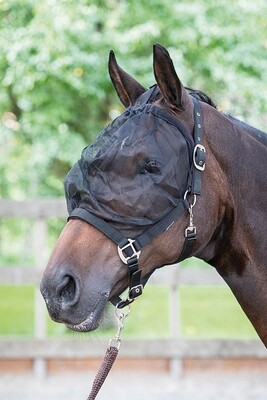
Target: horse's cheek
x=164 y=249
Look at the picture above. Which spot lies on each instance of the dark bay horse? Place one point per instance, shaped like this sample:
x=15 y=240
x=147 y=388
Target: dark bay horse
x=169 y=179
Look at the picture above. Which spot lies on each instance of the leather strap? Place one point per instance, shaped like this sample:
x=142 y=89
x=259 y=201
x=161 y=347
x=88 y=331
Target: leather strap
x=199 y=153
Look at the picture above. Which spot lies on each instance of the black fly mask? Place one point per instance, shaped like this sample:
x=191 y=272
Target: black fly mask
x=132 y=182
x=136 y=171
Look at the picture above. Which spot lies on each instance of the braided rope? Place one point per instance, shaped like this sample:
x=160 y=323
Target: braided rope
x=108 y=361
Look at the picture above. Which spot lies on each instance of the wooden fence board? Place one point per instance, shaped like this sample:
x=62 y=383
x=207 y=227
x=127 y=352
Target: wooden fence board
x=165 y=348
x=186 y=276
x=33 y=208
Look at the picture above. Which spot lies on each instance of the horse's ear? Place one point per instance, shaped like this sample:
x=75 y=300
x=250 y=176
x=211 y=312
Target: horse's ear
x=128 y=88
x=166 y=77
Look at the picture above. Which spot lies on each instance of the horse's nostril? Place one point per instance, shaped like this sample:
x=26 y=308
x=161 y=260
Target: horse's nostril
x=68 y=290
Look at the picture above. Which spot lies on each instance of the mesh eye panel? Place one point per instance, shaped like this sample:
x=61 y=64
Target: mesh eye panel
x=114 y=178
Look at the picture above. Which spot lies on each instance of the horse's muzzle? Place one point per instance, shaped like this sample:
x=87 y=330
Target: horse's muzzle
x=67 y=303
x=61 y=294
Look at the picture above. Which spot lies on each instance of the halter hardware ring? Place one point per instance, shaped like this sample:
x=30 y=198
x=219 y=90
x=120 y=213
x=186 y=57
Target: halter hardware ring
x=194 y=199
x=129 y=245
x=121 y=315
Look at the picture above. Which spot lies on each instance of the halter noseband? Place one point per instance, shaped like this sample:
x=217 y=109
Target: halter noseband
x=129 y=250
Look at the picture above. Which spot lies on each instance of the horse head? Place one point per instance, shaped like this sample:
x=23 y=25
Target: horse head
x=135 y=175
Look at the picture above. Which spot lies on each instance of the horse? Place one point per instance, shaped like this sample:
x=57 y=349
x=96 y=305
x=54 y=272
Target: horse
x=170 y=178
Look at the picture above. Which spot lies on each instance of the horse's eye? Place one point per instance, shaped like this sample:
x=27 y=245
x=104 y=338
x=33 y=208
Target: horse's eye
x=152 y=167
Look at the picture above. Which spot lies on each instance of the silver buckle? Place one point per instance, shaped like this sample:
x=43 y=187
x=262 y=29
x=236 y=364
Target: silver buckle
x=131 y=245
x=198 y=166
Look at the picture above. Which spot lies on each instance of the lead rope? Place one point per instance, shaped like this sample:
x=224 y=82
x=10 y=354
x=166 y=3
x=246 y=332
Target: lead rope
x=110 y=356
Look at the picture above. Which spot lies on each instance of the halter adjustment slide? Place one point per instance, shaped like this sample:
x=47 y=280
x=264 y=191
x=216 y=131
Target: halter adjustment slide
x=190 y=233
x=135 y=291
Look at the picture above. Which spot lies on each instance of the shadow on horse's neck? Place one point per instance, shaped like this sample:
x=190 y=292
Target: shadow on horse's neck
x=238 y=165
x=250 y=130
x=242 y=160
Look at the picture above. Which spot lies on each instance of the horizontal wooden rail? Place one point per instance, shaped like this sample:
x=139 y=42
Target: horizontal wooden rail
x=34 y=208
x=169 y=275
x=151 y=348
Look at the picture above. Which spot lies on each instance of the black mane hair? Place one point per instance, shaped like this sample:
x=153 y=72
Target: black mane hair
x=201 y=96
x=198 y=94
x=256 y=133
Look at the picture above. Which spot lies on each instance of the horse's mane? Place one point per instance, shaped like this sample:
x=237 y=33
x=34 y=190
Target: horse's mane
x=201 y=96
x=250 y=130
x=198 y=94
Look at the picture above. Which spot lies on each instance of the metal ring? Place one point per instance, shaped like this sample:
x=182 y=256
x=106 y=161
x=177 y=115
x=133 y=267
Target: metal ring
x=115 y=342
x=120 y=314
x=194 y=199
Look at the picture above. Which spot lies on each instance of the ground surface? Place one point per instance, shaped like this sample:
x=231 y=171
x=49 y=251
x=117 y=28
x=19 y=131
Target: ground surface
x=132 y=386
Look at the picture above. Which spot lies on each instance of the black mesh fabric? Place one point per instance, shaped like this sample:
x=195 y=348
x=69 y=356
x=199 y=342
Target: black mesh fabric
x=135 y=172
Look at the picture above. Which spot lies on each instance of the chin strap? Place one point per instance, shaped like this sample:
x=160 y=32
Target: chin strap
x=129 y=250
x=136 y=284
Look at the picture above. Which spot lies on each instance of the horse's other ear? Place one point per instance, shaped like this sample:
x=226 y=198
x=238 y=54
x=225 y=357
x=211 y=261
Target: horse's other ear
x=166 y=77
x=128 y=88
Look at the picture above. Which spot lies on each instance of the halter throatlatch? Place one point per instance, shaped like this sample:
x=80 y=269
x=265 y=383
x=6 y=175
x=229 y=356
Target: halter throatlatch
x=129 y=249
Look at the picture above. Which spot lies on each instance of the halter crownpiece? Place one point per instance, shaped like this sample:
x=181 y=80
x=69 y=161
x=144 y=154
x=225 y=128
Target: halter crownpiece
x=86 y=187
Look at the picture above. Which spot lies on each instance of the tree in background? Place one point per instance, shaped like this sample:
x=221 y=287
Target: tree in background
x=56 y=93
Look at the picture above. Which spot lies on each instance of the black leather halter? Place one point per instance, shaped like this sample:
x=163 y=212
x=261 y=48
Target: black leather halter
x=129 y=250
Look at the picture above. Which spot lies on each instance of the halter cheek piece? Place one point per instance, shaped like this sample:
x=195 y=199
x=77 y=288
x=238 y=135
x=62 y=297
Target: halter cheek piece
x=129 y=250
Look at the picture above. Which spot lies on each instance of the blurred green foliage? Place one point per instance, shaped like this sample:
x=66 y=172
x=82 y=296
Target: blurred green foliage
x=56 y=94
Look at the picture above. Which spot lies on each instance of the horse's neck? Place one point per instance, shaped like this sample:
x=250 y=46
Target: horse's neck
x=243 y=161
x=255 y=133
x=238 y=246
